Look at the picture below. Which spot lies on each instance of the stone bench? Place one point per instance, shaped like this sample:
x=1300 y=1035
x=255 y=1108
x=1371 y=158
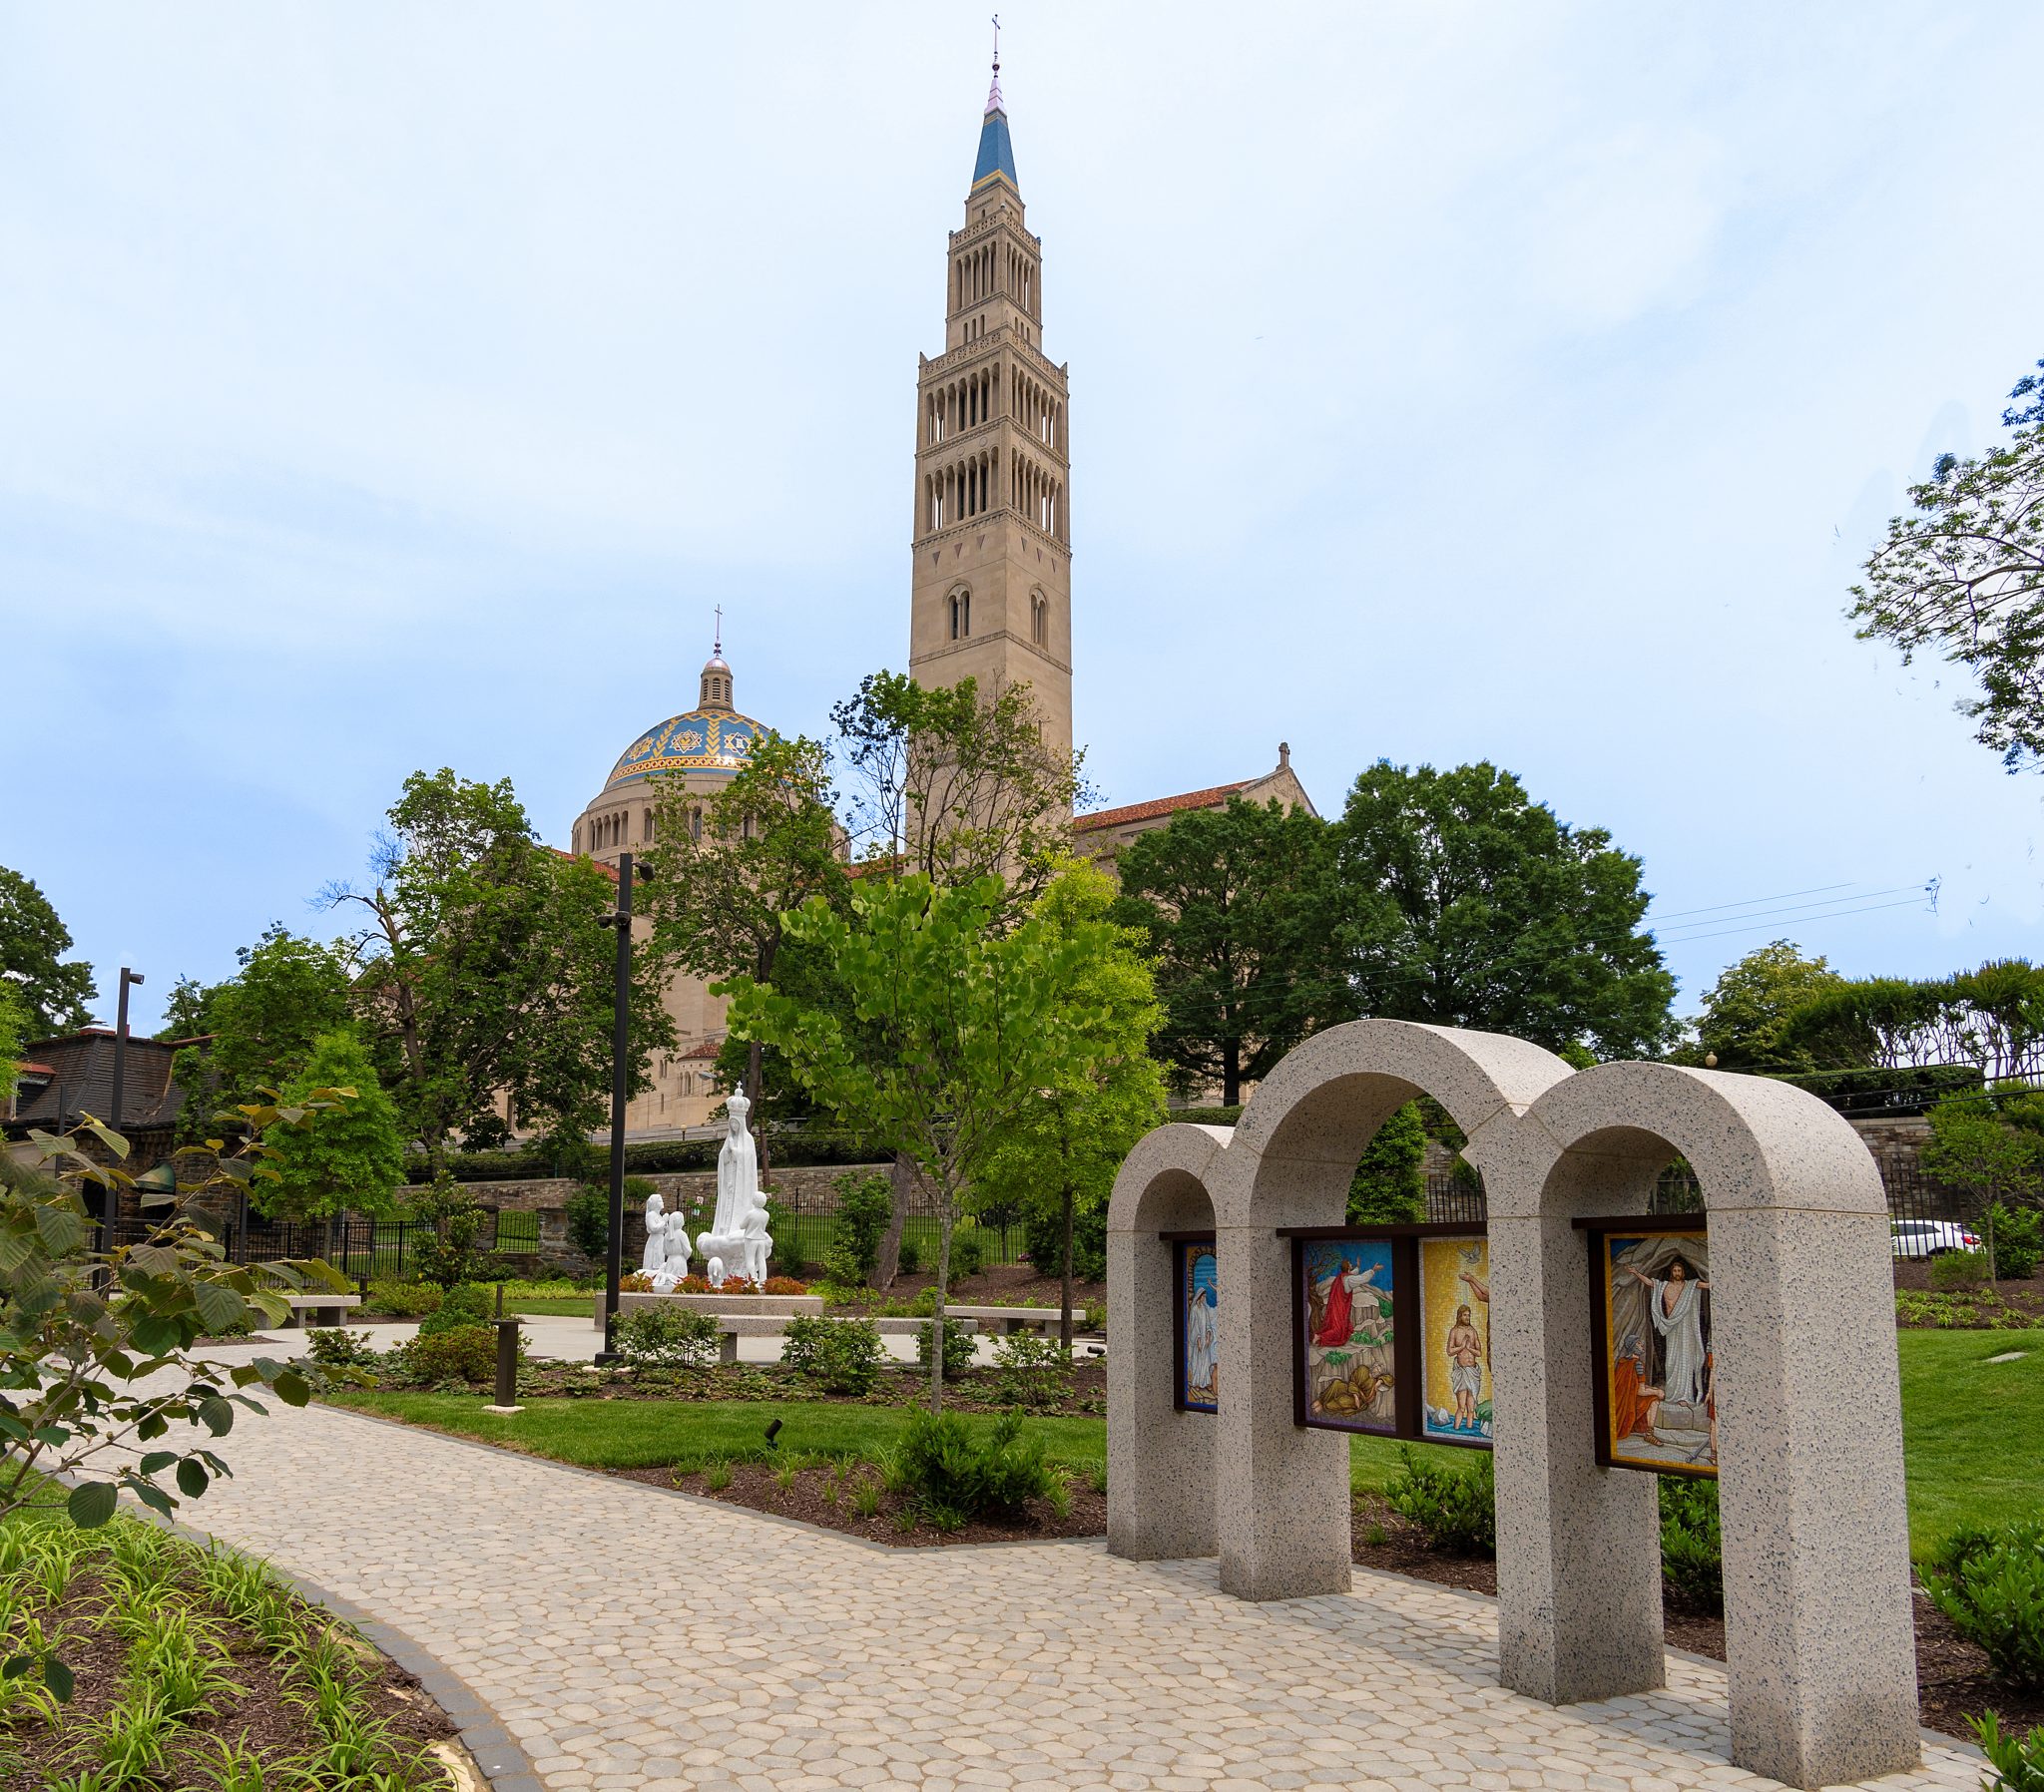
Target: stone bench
x=320 y=1309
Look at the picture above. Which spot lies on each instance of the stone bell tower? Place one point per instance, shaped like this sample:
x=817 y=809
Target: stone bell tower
x=992 y=590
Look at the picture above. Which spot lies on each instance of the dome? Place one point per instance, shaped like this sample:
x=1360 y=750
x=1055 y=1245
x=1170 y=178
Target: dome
x=715 y=740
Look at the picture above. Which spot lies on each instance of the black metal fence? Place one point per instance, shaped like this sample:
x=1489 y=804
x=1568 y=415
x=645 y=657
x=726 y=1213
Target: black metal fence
x=363 y=1249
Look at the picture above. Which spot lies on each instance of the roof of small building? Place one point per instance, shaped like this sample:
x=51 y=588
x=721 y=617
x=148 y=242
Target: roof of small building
x=1210 y=798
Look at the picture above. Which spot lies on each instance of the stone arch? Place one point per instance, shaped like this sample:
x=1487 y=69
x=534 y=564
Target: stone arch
x=1160 y=1473
x=1283 y=1490
x=1820 y=1638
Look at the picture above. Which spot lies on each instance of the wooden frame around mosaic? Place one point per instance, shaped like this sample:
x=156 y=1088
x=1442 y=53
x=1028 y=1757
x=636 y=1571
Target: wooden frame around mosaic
x=1596 y=1231
x=1406 y=1344
x=1179 y=1243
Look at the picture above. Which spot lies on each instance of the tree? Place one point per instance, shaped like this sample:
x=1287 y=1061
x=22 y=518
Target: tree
x=1232 y=904
x=486 y=971
x=959 y=1025
x=1459 y=901
x=262 y=1021
x=13 y=1031
x=1748 y=1011
x=729 y=871
x=32 y=945
x=1063 y=1152
x=1963 y=574
x=956 y=783
x=1973 y=1148
x=355 y=1160
x=1390 y=1185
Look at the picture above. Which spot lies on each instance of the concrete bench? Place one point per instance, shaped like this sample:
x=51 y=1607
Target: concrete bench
x=1011 y=1320
x=320 y=1309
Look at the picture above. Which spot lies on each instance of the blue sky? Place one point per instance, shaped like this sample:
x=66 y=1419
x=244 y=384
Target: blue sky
x=391 y=387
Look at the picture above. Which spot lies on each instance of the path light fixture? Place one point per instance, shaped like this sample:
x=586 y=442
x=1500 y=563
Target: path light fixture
x=621 y=1048
x=774 y=1435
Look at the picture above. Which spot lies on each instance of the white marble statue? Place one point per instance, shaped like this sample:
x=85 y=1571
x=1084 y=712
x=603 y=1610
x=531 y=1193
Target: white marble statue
x=656 y=1245
x=737 y=1240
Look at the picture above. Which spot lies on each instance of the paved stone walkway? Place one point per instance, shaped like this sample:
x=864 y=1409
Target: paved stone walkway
x=632 y=1638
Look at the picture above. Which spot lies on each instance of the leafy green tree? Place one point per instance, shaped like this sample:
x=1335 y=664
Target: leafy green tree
x=451 y=1251
x=262 y=1021
x=1748 y=1011
x=957 y=1025
x=956 y=783
x=1390 y=1185
x=486 y=971
x=1232 y=905
x=13 y=1031
x=1459 y=901
x=1062 y=1151
x=32 y=946
x=1973 y=1148
x=728 y=869
x=1962 y=575
x=353 y=1162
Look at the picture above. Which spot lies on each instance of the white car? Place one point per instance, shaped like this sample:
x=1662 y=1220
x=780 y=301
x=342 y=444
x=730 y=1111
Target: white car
x=1932 y=1237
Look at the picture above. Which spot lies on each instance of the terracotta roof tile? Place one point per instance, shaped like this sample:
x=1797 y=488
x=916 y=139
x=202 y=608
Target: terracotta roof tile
x=1209 y=798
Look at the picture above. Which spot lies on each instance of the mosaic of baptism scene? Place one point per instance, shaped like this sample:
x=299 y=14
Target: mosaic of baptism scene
x=1198 y=1328
x=1349 y=1346
x=1454 y=1329
x=1659 y=1367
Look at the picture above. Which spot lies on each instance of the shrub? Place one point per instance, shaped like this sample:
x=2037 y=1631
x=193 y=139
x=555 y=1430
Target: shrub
x=957 y=1346
x=1959 y=1269
x=2017 y=1760
x=969 y=1255
x=1095 y=1316
x=588 y=1216
x=465 y=1353
x=844 y=1356
x=1390 y=1185
x=1033 y=1370
x=468 y=1304
x=911 y=1258
x=1990 y=1584
x=1454 y=1509
x=949 y=1466
x=1692 y=1560
x=866 y=1204
x=784 y=1284
x=668 y=1338
x=337 y=1349
x=2018 y=1240
x=403 y=1301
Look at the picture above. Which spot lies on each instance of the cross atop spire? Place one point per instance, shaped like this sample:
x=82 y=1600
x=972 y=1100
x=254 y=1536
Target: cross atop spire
x=716 y=644
x=993 y=92
x=996 y=151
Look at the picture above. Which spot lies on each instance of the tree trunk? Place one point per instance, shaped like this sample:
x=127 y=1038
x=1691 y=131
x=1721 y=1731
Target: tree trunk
x=1231 y=1072
x=887 y=1264
x=755 y=1075
x=937 y=1316
x=1065 y=1318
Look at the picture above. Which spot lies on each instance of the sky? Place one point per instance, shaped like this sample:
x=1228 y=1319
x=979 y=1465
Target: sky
x=391 y=387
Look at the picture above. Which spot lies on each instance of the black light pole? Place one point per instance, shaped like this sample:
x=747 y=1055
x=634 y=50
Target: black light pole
x=128 y=977
x=621 y=1044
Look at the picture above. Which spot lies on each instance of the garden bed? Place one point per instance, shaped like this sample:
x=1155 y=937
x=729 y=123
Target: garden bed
x=828 y=1495
x=2005 y=1305
x=1953 y=1682
x=974 y=1391
x=196 y=1667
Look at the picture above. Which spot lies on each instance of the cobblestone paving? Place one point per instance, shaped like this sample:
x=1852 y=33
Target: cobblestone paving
x=631 y=1638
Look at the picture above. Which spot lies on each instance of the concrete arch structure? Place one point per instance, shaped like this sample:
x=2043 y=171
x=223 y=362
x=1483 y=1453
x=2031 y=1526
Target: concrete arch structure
x=1819 y=1627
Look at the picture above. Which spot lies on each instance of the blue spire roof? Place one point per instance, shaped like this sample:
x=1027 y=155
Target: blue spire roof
x=996 y=151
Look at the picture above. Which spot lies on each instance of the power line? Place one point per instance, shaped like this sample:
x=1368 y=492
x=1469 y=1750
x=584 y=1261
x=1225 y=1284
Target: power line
x=1713 y=908
x=1769 y=926
x=1810 y=910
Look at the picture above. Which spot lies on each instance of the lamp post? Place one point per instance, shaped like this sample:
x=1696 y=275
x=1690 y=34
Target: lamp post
x=128 y=978
x=621 y=1045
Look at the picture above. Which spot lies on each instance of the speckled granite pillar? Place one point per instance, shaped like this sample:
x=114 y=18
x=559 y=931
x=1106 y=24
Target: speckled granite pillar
x=1818 y=1635
x=1159 y=1462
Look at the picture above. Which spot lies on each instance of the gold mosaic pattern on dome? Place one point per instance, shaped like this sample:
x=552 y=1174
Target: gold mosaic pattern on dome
x=696 y=741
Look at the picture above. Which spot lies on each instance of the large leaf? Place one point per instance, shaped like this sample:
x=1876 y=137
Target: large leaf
x=221 y=1309
x=92 y=1503
x=58 y=1678
x=292 y=1388
x=216 y=1415
x=192 y=1479
x=62 y=1231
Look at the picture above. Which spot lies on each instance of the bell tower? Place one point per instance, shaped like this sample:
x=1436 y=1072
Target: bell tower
x=991 y=597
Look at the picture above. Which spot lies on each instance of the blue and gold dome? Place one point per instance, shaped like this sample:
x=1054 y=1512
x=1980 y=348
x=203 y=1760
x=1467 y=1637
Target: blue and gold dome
x=712 y=737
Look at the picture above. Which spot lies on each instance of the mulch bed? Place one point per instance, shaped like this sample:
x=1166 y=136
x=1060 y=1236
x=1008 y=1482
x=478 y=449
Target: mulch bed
x=1953 y=1682
x=260 y=1714
x=1005 y=1285
x=809 y=1498
x=2001 y=1305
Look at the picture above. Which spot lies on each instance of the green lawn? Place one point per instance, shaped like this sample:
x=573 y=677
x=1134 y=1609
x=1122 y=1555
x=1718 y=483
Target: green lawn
x=1973 y=1431
x=562 y=1306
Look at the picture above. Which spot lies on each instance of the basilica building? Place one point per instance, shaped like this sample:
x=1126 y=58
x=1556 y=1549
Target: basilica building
x=990 y=587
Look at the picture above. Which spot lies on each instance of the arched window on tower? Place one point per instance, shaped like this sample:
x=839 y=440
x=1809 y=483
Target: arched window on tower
x=961 y=615
x=1039 y=618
